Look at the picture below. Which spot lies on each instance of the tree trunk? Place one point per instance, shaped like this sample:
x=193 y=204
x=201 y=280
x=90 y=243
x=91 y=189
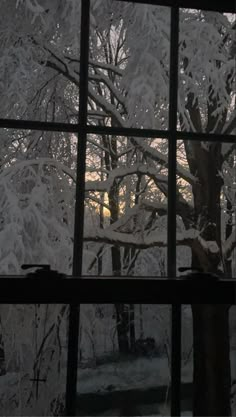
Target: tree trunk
x=141 y=321
x=228 y=231
x=211 y=392
x=2 y=352
x=2 y=357
x=122 y=319
x=122 y=316
x=131 y=327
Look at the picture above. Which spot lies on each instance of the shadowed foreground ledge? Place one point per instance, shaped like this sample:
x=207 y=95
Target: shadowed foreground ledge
x=129 y=401
x=111 y=290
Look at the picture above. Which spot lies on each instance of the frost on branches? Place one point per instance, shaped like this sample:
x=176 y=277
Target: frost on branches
x=126 y=177
x=37 y=201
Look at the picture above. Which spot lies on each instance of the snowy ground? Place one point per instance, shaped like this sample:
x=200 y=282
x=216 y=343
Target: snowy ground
x=140 y=374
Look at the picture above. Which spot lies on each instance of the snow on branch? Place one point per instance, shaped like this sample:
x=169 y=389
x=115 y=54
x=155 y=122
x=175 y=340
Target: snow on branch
x=122 y=172
x=227 y=149
x=230 y=125
x=96 y=186
x=155 y=155
x=151 y=239
x=40 y=161
x=97 y=64
x=98 y=201
x=64 y=69
x=131 y=212
x=229 y=245
x=110 y=109
x=141 y=241
x=58 y=63
x=100 y=77
x=109 y=67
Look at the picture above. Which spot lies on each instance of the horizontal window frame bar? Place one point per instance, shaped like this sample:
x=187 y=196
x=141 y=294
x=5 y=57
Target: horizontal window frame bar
x=39 y=125
x=15 y=124
x=205 y=137
x=211 y=5
x=128 y=132
x=71 y=290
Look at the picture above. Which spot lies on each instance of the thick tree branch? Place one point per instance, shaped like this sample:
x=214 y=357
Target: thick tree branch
x=229 y=245
x=162 y=159
x=122 y=172
x=139 y=241
x=188 y=238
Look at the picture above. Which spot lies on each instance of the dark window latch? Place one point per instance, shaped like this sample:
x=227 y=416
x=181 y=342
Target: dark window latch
x=42 y=271
x=198 y=274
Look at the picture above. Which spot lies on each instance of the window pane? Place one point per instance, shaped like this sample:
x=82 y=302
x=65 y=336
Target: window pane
x=186 y=361
x=37 y=183
x=126 y=206
x=232 y=324
x=207 y=72
x=187 y=388
x=124 y=364
x=129 y=65
x=206 y=206
x=33 y=345
x=39 y=60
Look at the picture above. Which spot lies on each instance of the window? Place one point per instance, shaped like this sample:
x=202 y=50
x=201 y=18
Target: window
x=117 y=161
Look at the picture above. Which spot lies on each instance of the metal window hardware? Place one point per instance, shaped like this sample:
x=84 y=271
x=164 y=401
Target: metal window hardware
x=42 y=271
x=199 y=274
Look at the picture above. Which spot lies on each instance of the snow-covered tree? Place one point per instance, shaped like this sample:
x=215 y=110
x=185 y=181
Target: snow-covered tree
x=127 y=177
x=128 y=87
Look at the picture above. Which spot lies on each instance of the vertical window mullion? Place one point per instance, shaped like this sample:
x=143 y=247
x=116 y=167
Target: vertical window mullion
x=173 y=93
x=171 y=233
x=74 y=314
x=81 y=148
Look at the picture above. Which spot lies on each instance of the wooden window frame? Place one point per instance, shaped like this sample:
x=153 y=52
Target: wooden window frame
x=75 y=289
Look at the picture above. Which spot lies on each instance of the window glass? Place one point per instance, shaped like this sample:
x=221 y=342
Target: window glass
x=124 y=363
x=33 y=350
x=206 y=72
x=187 y=359
x=232 y=334
x=206 y=206
x=129 y=65
x=39 y=60
x=37 y=183
x=126 y=206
